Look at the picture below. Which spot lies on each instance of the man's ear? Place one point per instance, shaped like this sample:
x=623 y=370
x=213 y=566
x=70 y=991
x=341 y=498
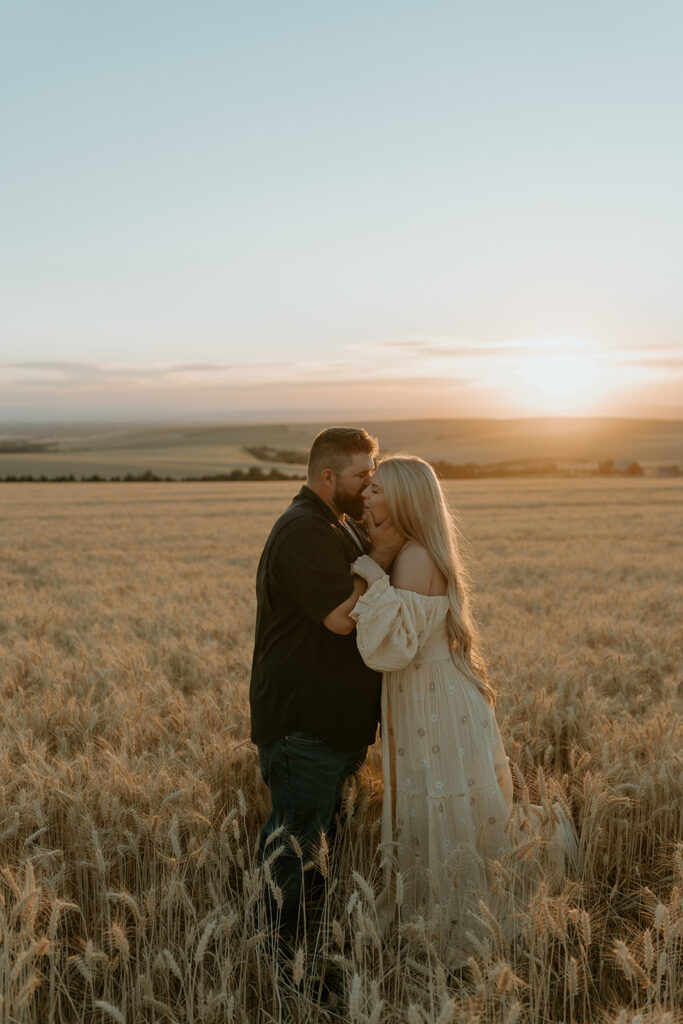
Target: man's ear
x=328 y=477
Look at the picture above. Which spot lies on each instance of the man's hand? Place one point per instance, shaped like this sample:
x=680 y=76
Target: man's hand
x=386 y=541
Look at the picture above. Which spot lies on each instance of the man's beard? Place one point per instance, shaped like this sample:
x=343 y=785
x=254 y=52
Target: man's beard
x=351 y=504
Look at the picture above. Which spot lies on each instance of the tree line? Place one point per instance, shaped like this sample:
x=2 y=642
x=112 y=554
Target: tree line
x=148 y=476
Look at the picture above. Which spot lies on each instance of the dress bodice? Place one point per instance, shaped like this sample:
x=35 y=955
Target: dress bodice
x=434 y=646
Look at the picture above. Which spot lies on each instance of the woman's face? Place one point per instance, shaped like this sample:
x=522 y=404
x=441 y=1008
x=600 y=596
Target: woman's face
x=374 y=504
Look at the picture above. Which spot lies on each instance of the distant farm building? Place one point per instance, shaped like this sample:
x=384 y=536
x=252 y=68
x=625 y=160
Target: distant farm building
x=628 y=467
x=622 y=467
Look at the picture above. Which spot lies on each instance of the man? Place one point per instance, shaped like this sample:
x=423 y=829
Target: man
x=314 y=704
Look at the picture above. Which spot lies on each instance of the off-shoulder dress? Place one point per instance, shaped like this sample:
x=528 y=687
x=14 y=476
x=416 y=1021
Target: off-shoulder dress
x=447 y=782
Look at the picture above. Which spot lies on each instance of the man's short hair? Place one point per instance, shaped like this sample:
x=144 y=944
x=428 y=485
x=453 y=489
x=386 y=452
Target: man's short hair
x=335 y=447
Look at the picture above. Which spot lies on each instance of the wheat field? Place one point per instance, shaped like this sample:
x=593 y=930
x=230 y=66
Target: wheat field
x=130 y=797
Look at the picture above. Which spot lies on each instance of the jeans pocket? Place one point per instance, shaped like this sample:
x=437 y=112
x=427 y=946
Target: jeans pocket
x=305 y=739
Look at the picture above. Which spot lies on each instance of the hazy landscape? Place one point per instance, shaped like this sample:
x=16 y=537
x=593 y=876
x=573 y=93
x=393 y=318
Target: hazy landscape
x=131 y=799
x=229 y=226
x=572 y=444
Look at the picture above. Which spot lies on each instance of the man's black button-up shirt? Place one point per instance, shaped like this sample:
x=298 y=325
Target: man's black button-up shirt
x=303 y=675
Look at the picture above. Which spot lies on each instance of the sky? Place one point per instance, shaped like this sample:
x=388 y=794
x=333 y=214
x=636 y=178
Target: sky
x=253 y=210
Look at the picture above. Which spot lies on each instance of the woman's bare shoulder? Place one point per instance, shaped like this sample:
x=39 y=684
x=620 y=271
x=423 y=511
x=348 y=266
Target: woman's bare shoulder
x=414 y=569
x=413 y=553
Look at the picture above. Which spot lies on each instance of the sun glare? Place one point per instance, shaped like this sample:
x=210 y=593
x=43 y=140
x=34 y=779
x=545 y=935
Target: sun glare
x=560 y=382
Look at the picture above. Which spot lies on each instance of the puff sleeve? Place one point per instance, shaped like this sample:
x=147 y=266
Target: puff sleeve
x=390 y=624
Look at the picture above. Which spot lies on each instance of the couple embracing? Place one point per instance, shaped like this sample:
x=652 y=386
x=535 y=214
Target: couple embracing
x=363 y=616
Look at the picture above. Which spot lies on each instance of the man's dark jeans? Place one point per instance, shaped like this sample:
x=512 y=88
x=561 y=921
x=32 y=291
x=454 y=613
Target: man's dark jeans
x=305 y=777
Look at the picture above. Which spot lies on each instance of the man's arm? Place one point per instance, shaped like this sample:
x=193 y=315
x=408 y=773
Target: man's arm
x=338 y=620
x=312 y=569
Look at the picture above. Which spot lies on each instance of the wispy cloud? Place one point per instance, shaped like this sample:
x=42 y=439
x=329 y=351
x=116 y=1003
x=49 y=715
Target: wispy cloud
x=425 y=375
x=420 y=360
x=367 y=386
x=65 y=375
x=444 y=347
x=480 y=358
x=658 y=363
x=72 y=375
x=75 y=369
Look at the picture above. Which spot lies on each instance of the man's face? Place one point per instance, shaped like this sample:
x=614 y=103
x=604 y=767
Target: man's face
x=350 y=484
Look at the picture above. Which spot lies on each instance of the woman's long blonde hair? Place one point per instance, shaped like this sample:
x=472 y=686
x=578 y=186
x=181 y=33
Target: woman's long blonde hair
x=416 y=503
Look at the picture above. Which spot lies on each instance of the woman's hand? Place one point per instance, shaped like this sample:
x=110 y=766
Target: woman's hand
x=385 y=539
x=366 y=569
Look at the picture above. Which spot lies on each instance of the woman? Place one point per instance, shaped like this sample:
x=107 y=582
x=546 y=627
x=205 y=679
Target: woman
x=447 y=784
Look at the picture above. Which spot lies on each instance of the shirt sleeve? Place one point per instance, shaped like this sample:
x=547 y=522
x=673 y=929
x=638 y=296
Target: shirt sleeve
x=390 y=624
x=312 y=568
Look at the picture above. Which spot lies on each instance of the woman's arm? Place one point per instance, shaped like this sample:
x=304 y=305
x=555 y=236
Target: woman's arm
x=389 y=621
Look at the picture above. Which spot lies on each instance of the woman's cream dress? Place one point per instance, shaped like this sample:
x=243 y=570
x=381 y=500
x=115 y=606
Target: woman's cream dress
x=447 y=782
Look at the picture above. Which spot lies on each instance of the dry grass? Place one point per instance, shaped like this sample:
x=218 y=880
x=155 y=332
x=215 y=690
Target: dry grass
x=130 y=800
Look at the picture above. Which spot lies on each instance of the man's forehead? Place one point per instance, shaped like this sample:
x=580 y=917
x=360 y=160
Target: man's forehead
x=361 y=462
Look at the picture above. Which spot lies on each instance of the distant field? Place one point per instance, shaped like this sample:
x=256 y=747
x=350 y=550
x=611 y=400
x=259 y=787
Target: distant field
x=130 y=796
x=179 y=451
x=170 y=460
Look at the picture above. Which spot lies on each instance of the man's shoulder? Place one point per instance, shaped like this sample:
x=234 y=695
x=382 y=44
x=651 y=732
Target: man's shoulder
x=299 y=518
x=299 y=515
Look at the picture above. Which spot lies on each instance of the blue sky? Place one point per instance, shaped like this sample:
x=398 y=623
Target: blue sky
x=403 y=208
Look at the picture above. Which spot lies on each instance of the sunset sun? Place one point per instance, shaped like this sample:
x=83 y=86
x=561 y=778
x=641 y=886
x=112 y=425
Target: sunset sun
x=560 y=381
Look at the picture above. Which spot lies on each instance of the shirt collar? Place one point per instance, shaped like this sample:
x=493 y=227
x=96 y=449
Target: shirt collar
x=306 y=494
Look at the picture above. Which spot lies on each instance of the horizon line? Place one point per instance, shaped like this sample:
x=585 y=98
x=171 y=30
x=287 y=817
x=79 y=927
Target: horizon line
x=312 y=417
